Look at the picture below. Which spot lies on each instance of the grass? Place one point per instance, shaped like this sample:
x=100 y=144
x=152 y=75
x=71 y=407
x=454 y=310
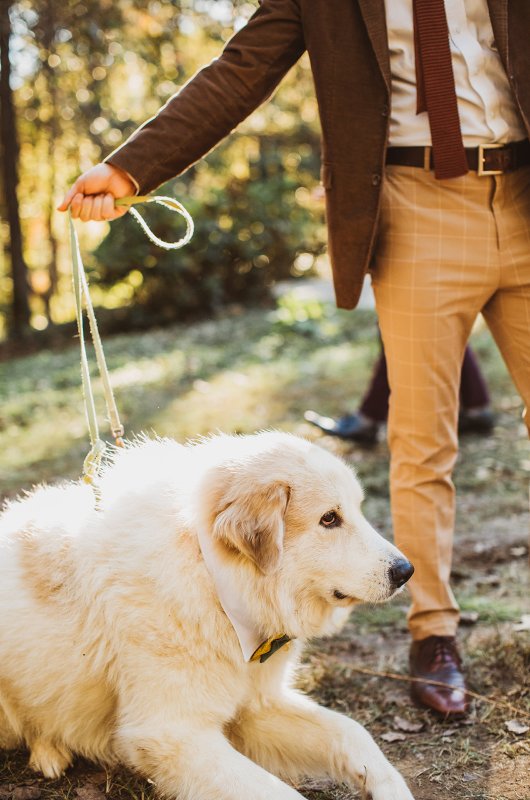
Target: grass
x=239 y=373
x=258 y=369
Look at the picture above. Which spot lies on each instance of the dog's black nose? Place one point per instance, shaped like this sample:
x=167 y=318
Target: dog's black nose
x=400 y=571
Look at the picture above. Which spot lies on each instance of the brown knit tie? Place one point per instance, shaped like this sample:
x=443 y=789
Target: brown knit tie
x=435 y=86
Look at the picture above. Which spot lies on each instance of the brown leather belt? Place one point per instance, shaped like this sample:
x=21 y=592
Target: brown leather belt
x=486 y=159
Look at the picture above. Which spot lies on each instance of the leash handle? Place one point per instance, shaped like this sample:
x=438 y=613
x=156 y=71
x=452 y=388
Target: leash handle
x=167 y=202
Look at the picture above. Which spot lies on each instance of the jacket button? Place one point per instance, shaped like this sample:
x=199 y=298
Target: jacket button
x=376 y=179
x=384 y=110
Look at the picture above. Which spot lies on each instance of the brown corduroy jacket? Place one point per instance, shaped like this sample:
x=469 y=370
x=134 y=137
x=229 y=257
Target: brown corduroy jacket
x=348 y=48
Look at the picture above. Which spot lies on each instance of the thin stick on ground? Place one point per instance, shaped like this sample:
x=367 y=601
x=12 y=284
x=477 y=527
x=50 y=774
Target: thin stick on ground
x=408 y=679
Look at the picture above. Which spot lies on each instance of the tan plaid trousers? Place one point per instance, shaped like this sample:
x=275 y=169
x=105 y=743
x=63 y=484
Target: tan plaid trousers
x=447 y=250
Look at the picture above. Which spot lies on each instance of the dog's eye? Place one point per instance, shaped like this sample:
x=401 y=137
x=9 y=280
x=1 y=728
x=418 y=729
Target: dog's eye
x=330 y=520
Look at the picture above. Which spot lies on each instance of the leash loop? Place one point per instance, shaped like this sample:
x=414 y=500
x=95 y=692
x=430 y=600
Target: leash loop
x=92 y=461
x=167 y=202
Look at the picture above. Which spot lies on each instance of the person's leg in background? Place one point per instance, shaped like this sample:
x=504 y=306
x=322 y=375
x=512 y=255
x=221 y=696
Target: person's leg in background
x=363 y=425
x=435 y=268
x=374 y=405
x=475 y=415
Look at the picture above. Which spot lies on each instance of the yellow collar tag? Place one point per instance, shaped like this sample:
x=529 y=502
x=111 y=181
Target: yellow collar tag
x=269 y=647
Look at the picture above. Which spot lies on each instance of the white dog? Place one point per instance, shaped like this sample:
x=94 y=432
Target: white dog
x=160 y=627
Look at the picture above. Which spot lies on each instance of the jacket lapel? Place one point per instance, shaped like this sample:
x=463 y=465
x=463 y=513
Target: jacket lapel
x=499 y=22
x=373 y=12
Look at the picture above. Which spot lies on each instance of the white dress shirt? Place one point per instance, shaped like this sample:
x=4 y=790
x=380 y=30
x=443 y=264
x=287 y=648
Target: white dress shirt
x=487 y=110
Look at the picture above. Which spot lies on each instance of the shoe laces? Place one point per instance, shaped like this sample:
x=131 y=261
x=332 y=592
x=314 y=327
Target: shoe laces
x=444 y=651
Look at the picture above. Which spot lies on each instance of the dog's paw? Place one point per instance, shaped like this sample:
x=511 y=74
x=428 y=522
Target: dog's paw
x=390 y=786
x=49 y=759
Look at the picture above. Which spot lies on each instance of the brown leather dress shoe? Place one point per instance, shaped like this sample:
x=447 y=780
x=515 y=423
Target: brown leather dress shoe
x=436 y=659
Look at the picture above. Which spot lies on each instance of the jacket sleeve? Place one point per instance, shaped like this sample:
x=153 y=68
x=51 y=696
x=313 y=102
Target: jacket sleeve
x=217 y=98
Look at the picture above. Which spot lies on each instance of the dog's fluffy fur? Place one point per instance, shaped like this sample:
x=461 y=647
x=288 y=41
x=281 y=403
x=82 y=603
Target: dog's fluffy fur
x=113 y=642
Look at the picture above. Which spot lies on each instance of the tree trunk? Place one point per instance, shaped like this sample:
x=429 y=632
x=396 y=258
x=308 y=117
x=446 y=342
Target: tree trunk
x=9 y=151
x=48 y=36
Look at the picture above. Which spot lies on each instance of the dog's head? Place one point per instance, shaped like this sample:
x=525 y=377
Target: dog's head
x=290 y=513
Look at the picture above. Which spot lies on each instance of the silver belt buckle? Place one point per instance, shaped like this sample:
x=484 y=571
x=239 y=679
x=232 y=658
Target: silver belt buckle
x=480 y=166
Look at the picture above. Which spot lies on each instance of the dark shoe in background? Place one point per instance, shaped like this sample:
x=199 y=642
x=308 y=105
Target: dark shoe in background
x=352 y=427
x=436 y=658
x=357 y=428
x=481 y=421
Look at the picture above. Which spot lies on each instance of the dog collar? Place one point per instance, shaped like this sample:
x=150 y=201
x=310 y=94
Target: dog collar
x=250 y=637
x=269 y=647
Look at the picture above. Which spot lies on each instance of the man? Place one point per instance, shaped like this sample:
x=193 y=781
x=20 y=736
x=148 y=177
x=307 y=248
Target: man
x=445 y=229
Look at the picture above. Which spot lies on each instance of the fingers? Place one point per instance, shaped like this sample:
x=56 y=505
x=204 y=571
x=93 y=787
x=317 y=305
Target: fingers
x=90 y=208
x=92 y=195
x=98 y=207
x=76 y=204
x=69 y=196
x=107 y=207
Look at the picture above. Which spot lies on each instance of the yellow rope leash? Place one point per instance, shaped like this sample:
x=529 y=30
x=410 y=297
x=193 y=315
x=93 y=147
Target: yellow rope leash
x=81 y=293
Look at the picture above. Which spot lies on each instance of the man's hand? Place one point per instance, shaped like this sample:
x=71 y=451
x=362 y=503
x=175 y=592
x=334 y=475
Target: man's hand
x=92 y=195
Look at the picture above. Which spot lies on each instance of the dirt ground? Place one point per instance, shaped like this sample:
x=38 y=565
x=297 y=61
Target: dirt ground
x=483 y=757
x=477 y=757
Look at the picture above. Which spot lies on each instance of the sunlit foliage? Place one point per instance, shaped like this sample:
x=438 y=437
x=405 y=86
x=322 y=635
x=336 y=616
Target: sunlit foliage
x=86 y=74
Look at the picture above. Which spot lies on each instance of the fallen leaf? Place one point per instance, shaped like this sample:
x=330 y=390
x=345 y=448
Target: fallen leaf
x=489 y=580
x=97 y=778
x=524 y=625
x=89 y=792
x=514 y=726
x=26 y=793
x=397 y=698
x=518 y=552
x=404 y=725
x=447 y=734
x=468 y=617
x=393 y=736
x=469 y=777
x=460 y=574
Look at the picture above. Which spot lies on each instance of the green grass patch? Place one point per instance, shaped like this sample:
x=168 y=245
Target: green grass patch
x=491 y=610
x=381 y=616
x=239 y=373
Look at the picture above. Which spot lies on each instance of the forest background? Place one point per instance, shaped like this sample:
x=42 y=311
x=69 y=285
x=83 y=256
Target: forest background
x=223 y=353
x=76 y=79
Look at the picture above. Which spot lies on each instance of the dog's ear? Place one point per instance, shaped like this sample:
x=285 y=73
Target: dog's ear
x=253 y=524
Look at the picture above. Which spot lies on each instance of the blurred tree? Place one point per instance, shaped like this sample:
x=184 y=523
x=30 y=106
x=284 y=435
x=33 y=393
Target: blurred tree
x=87 y=73
x=20 y=313
x=46 y=32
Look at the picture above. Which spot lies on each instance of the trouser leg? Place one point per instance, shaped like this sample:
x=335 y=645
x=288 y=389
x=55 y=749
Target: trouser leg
x=422 y=436
x=508 y=310
x=431 y=279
